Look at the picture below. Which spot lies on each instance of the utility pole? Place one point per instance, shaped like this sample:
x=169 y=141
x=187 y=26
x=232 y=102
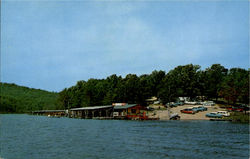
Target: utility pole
x=68 y=110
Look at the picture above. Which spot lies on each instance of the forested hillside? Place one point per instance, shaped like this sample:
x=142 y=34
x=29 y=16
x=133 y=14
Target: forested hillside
x=18 y=99
x=215 y=82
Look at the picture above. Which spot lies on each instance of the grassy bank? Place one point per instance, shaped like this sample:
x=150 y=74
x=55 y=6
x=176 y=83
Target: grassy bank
x=239 y=117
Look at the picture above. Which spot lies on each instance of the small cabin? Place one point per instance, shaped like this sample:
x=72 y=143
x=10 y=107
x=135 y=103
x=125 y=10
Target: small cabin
x=124 y=111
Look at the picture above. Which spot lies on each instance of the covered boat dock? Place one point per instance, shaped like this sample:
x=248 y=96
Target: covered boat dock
x=92 y=112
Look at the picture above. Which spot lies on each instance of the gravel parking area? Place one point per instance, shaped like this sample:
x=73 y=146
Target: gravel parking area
x=164 y=114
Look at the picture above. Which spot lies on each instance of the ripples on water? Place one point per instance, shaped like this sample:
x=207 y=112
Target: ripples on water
x=39 y=137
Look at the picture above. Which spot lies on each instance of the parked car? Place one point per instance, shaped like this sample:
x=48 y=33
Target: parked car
x=208 y=103
x=198 y=103
x=179 y=103
x=200 y=108
x=236 y=109
x=150 y=109
x=224 y=113
x=170 y=104
x=201 y=103
x=195 y=108
x=245 y=107
x=190 y=103
x=214 y=115
x=188 y=111
x=156 y=102
x=174 y=105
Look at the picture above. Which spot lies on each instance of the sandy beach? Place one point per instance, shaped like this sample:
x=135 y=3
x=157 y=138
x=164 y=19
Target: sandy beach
x=163 y=114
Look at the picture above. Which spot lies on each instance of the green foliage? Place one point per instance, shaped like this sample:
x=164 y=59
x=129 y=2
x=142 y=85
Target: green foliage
x=235 y=87
x=155 y=80
x=17 y=99
x=182 y=81
x=239 y=117
x=215 y=75
x=187 y=80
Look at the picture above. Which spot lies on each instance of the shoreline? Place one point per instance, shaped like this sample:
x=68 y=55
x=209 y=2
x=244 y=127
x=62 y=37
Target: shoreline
x=161 y=120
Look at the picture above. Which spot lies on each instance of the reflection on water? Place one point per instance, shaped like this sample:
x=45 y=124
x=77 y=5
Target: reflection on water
x=39 y=137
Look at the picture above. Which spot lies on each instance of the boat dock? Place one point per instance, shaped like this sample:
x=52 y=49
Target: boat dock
x=121 y=111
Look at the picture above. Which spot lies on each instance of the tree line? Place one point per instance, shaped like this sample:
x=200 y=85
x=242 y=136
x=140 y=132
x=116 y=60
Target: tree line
x=215 y=82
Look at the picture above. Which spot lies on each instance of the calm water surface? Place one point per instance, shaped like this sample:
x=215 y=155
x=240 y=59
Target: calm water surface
x=39 y=137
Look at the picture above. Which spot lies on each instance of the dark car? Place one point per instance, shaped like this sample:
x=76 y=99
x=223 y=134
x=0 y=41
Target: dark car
x=174 y=105
x=199 y=108
x=179 y=103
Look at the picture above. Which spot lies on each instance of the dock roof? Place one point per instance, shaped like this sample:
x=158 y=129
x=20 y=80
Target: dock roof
x=125 y=106
x=92 y=108
x=103 y=107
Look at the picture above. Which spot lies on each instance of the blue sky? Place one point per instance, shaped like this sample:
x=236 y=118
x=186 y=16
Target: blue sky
x=53 y=44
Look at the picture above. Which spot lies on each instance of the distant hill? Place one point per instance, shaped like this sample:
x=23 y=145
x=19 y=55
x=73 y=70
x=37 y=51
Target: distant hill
x=19 y=99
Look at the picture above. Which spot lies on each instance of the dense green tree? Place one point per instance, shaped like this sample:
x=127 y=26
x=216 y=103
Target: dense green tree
x=184 y=80
x=202 y=80
x=155 y=79
x=145 y=89
x=112 y=94
x=235 y=87
x=131 y=83
x=169 y=91
x=214 y=77
x=63 y=99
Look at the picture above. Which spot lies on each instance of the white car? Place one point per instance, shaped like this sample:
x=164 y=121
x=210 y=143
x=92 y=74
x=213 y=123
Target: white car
x=191 y=103
x=223 y=113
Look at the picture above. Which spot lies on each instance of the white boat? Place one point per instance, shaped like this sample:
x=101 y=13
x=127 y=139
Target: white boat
x=174 y=116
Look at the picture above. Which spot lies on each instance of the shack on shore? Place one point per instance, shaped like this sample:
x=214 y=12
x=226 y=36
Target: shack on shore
x=128 y=111
x=92 y=112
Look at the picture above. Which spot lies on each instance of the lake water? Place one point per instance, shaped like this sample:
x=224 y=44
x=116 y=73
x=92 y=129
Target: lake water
x=39 y=137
